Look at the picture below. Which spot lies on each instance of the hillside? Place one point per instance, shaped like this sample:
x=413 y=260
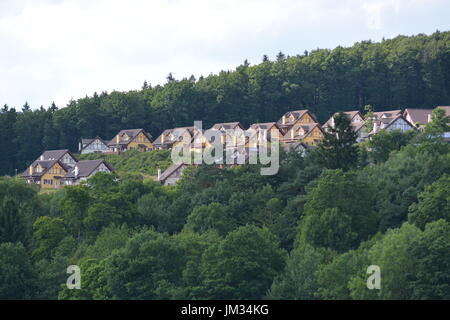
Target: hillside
x=135 y=163
x=397 y=73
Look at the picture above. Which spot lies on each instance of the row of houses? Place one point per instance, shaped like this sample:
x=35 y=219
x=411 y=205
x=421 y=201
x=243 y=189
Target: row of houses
x=57 y=168
x=298 y=128
x=298 y=131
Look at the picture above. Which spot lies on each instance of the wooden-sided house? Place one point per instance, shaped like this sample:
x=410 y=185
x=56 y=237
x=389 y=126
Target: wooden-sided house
x=260 y=132
x=290 y=118
x=131 y=139
x=96 y=145
x=170 y=138
x=309 y=133
x=48 y=174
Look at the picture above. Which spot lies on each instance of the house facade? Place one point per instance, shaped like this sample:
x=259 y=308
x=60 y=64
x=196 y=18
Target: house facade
x=96 y=145
x=172 y=174
x=131 y=139
x=85 y=169
x=290 y=118
x=309 y=133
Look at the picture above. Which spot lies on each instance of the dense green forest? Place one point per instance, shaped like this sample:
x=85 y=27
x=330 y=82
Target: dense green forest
x=309 y=232
x=398 y=73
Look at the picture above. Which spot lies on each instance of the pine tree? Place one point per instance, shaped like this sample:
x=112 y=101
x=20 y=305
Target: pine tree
x=338 y=150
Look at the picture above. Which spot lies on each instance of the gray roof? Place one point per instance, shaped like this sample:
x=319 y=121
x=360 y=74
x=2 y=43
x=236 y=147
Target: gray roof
x=55 y=154
x=171 y=170
x=86 y=142
x=46 y=165
x=86 y=168
x=132 y=133
x=227 y=125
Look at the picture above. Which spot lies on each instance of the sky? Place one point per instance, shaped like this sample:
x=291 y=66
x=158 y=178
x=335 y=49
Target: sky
x=57 y=50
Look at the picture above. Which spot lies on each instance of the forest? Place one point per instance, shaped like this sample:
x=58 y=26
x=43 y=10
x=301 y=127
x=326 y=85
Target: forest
x=308 y=232
x=404 y=72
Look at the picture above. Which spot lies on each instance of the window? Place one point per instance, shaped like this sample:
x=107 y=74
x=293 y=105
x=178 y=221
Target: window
x=48 y=181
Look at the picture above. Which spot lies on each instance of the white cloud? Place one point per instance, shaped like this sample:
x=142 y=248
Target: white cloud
x=58 y=49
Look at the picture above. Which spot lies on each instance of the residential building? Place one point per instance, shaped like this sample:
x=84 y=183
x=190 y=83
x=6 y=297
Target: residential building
x=85 y=169
x=172 y=174
x=292 y=117
x=131 y=139
x=96 y=145
x=309 y=133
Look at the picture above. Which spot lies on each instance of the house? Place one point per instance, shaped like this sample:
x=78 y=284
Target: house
x=232 y=134
x=172 y=174
x=292 y=117
x=131 y=139
x=172 y=137
x=96 y=145
x=418 y=117
x=299 y=147
x=390 y=121
x=309 y=133
x=354 y=116
x=48 y=174
x=85 y=169
x=357 y=123
x=263 y=132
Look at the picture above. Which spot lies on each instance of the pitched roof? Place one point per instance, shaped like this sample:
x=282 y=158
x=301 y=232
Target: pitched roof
x=86 y=142
x=46 y=165
x=307 y=127
x=171 y=170
x=418 y=115
x=350 y=114
x=297 y=114
x=387 y=114
x=86 y=168
x=173 y=135
x=227 y=125
x=55 y=154
x=132 y=133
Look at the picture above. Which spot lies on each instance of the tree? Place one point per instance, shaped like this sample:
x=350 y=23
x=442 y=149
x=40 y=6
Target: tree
x=432 y=278
x=74 y=206
x=17 y=279
x=338 y=149
x=148 y=267
x=397 y=264
x=212 y=216
x=338 y=213
x=243 y=265
x=12 y=221
x=48 y=233
x=433 y=204
x=384 y=142
x=439 y=122
x=298 y=281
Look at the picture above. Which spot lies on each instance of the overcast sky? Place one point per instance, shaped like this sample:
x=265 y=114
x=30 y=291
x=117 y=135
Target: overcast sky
x=55 y=50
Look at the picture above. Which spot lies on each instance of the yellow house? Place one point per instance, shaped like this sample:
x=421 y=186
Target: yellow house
x=290 y=118
x=47 y=174
x=309 y=133
x=131 y=139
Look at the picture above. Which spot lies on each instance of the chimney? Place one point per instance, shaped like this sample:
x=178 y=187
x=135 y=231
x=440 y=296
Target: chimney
x=117 y=139
x=76 y=171
x=375 y=127
x=429 y=117
x=292 y=133
x=283 y=120
x=162 y=138
x=31 y=170
x=79 y=146
x=41 y=157
x=159 y=174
